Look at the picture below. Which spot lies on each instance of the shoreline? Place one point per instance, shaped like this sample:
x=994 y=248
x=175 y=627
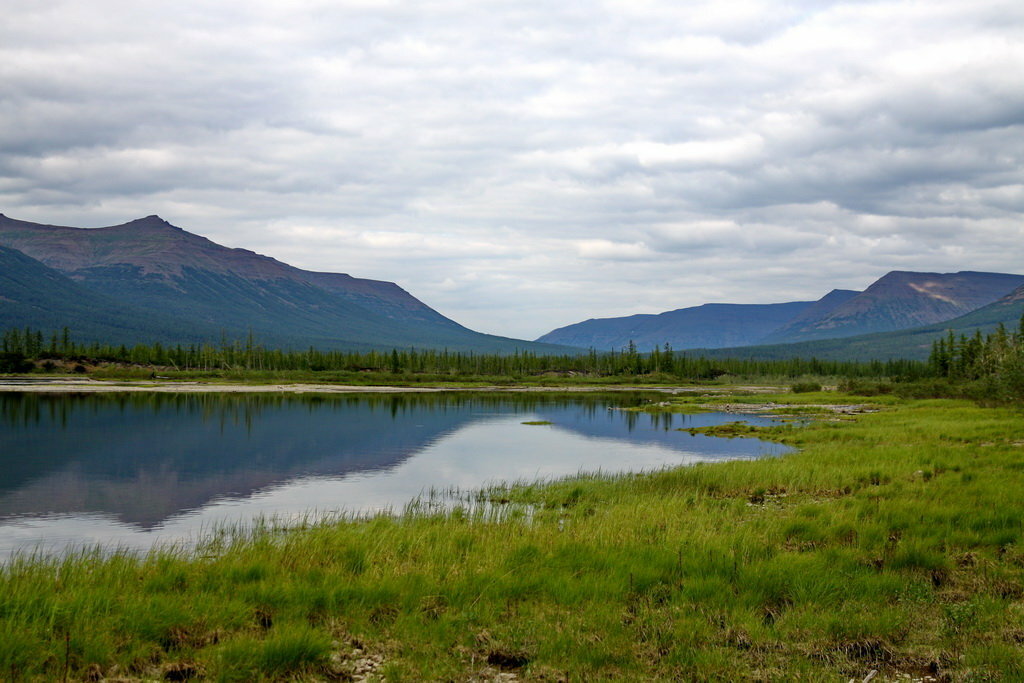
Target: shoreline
x=849 y=556
x=75 y=385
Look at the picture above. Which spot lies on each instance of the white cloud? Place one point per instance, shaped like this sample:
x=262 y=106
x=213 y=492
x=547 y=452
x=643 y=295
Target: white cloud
x=522 y=165
x=618 y=251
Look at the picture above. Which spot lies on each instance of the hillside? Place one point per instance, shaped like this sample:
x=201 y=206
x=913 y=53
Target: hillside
x=901 y=300
x=818 y=310
x=163 y=276
x=710 y=326
x=706 y=326
x=33 y=295
x=897 y=301
x=914 y=343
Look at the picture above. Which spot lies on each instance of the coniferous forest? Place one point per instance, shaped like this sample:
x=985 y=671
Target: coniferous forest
x=989 y=367
x=28 y=349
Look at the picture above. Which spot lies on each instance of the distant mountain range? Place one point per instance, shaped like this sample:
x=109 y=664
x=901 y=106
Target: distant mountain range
x=912 y=343
x=709 y=326
x=148 y=281
x=901 y=300
x=843 y=323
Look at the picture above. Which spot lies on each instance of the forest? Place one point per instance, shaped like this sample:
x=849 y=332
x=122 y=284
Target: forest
x=987 y=367
x=25 y=349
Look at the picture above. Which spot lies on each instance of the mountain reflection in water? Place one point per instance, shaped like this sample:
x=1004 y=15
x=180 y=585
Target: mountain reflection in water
x=147 y=461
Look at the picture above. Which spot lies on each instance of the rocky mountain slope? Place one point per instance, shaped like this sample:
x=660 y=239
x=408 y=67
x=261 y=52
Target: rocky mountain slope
x=901 y=300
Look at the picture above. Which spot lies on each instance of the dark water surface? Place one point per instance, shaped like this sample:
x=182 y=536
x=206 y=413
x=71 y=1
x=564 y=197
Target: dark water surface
x=132 y=470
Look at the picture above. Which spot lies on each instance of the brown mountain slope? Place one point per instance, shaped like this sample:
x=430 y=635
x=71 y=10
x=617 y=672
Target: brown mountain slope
x=159 y=251
x=901 y=300
x=158 y=248
x=157 y=269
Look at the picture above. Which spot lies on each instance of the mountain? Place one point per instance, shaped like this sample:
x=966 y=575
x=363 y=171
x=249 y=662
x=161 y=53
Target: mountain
x=816 y=311
x=33 y=295
x=914 y=343
x=707 y=326
x=171 y=285
x=901 y=300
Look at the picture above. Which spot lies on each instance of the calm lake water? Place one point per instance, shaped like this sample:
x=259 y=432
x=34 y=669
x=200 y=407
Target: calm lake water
x=131 y=470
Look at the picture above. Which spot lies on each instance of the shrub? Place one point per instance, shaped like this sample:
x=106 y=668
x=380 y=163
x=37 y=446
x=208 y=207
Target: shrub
x=14 y=362
x=864 y=388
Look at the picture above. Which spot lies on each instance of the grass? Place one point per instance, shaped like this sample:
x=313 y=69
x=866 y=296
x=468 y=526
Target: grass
x=889 y=541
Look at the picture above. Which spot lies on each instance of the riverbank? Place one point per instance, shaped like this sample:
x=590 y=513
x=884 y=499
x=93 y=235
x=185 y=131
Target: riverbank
x=87 y=385
x=890 y=542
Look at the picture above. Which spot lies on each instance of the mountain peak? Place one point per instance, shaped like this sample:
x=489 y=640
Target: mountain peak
x=151 y=221
x=904 y=275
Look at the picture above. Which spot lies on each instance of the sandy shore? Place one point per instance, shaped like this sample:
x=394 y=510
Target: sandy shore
x=84 y=385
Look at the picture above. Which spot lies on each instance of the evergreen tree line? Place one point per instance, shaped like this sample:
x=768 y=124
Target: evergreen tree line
x=997 y=358
x=24 y=345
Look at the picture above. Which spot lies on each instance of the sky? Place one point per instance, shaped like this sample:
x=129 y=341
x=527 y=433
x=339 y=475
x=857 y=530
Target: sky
x=521 y=165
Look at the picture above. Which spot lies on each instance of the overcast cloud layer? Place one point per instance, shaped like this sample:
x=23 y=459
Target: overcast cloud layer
x=521 y=167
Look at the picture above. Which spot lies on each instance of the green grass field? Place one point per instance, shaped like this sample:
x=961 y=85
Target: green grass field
x=890 y=541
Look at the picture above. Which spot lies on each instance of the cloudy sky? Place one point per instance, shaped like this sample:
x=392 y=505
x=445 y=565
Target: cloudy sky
x=523 y=165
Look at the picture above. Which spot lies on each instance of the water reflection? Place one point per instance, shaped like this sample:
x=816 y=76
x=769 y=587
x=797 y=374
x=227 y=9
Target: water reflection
x=130 y=468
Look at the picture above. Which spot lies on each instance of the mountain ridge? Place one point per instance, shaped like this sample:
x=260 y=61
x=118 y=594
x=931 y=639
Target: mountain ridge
x=898 y=300
x=158 y=271
x=712 y=324
x=903 y=300
x=913 y=343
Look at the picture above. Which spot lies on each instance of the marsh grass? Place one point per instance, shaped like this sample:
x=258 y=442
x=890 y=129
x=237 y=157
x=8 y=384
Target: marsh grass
x=889 y=542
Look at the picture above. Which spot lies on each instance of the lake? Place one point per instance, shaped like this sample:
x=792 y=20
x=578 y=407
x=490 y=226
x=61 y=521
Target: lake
x=133 y=470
